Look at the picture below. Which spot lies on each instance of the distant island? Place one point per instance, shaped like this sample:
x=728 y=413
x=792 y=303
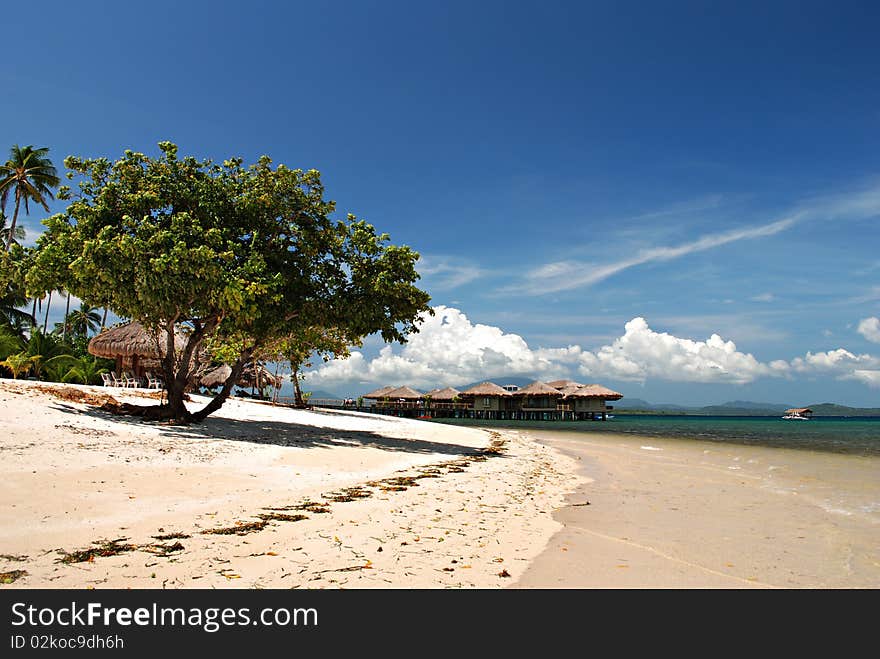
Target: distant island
x=738 y=408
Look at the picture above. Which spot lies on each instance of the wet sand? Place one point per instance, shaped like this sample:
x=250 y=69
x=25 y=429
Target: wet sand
x=666 y=513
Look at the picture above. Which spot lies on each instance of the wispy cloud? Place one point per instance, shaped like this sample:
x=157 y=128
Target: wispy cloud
x=567 y=275
x=448 y=272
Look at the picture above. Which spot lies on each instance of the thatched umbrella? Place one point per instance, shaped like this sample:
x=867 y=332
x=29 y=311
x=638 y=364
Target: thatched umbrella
x=258 y=376
x=486 y=389
x=381 y=392
x=448 y=393
x=538 y=389
x=216 y=376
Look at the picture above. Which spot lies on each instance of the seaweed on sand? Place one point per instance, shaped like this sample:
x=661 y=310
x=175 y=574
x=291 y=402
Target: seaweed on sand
x=240 y=528
x=281 y=517
x=12 y=576
x=171 y=536
x=103 y=549
x=163 y=550
x=349 y=494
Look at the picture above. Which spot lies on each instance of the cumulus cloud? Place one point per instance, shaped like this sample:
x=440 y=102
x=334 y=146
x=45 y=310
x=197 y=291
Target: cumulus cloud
x=451 y=350
x=642 y=353
x=870 y=329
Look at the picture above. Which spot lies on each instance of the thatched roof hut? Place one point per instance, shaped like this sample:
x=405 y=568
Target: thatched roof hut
x=592 y=391
x=251 y=375
x=133 y=340
x=381 y=392
x=562 y=384
x=486 y=389
x=447 y=393
x=538 y=388
x=406 y=393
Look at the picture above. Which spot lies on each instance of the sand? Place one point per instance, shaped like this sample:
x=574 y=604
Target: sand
x=387 y=502
x=366 y=501
x=666 y=513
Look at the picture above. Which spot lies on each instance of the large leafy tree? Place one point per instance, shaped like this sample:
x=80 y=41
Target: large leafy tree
x=28 y=176
x=240 y=256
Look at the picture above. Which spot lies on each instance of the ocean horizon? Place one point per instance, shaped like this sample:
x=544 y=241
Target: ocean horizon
x=849 y=435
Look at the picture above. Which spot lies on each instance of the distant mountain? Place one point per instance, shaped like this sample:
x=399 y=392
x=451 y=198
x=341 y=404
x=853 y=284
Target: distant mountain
x=749 y=405
x=742 y=408
x=833 y=409
x=639 y=404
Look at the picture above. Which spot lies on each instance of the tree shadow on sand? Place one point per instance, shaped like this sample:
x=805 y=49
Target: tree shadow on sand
x=276 y=433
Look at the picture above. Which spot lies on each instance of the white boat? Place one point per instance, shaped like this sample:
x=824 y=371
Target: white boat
x=799 y=414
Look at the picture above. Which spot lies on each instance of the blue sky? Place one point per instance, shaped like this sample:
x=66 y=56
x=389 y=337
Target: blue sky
x=565 y=169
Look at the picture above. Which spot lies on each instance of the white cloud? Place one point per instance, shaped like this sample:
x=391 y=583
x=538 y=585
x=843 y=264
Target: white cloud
x=870 y=329
x=764 y=297
x=448 y=350
x=570 y=274
x=446 y=272
x=566 y=275
x=642 y=353
x=868 y=377
x=839 y=361
x=451 y=350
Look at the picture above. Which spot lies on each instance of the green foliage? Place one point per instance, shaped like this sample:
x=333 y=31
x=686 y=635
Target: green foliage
x=244 y=255
x=87 y=371
x=13 y=266
x=10 y=342
x=18 y=364
x=27 y=176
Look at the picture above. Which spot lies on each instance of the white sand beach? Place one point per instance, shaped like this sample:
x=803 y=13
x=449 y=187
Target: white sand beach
x=271 y=497
x=387 y=502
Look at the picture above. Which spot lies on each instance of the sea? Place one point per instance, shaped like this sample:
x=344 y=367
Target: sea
x=848 y=435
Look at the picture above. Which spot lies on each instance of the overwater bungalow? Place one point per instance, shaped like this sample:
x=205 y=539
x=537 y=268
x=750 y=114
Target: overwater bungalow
x=561 y=400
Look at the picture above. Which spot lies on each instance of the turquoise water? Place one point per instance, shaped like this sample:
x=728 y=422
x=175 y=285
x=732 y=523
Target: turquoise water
x=851 y=435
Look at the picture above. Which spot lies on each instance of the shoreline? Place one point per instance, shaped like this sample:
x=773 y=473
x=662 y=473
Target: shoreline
x=263 y=497
x=666 y=513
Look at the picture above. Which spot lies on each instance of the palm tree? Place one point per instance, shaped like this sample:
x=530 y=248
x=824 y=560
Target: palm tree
x=10 y=301
x=48 y=304
x=83 y=320
x=9 y=236
x=19 y=364
x=29 y=175
x=85 y=371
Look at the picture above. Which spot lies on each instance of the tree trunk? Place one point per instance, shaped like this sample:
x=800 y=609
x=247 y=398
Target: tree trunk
x=218 y=400
x=34 y=315
x=14 y=220
x=48 y=304
x=104 y=320
x=66 y=314
x=297 y=392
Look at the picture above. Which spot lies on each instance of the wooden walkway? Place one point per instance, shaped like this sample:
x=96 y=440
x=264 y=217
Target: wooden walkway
x=414 y=410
